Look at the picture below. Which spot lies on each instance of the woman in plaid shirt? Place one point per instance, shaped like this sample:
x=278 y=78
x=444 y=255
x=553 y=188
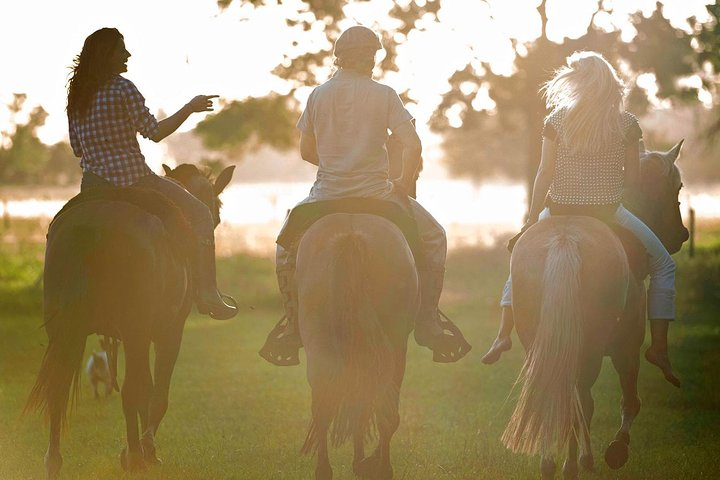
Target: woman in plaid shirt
x=105 y=113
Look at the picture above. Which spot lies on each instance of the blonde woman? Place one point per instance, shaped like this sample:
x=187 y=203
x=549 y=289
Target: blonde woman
x=590 y=152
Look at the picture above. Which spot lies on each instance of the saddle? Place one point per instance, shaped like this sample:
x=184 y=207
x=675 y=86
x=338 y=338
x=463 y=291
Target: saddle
x=303 y=216
x=154 y=203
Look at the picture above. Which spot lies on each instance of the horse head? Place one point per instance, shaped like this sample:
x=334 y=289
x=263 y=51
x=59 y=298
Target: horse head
x=201 y=185
x=655 y=199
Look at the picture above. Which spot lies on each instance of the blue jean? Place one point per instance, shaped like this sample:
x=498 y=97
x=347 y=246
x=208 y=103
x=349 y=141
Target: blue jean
x=197 y=213
x=661 y=291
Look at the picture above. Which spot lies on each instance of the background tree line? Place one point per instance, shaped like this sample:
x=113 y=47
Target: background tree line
x=483 y=141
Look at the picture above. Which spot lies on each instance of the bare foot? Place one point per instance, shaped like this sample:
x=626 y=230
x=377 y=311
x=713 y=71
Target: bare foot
x=660 y=358
x=501 y=344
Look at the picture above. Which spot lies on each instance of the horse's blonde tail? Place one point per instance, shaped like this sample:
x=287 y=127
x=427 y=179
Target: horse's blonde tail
x=357 y=392
x=548 y=413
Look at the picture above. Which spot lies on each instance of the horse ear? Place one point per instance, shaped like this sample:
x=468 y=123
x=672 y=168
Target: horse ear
x=223 y=179
x=642 y=146
x=166 y=169
x=675 y=152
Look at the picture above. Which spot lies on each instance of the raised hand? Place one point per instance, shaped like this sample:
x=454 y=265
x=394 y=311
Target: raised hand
x=202 y=103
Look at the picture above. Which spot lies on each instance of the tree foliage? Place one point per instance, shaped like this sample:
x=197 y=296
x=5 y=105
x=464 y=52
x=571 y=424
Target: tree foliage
x=24 y=159
x=505 y=140
x=248 y=124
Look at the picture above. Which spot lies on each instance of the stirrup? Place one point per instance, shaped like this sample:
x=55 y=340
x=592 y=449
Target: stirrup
x=282 y=349
x=450 y=346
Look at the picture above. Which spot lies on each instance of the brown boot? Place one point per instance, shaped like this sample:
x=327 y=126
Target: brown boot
x=282 y=346
x=503 y=342
x=657 y=353
x=432 y=328
x=207 y=298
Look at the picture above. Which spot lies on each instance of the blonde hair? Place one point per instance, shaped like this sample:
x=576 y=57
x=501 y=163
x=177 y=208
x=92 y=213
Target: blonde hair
x=591 y=93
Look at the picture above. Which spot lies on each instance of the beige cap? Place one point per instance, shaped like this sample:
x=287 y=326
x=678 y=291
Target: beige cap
x=356 y=37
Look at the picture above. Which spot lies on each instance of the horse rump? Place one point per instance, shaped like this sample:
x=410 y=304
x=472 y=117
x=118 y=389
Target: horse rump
x=352 y=395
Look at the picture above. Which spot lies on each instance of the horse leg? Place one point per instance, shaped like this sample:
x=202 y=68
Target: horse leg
x=547 y=467
x=358 y=450
x=627 y=366
x=323 y=470
x=166 y=353
x=135 y=395
x=378 y=465
x=53 y=459
x=588 y=376
x=570 y=467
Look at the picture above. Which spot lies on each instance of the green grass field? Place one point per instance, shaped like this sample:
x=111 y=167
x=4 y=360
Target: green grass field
x=233 y=416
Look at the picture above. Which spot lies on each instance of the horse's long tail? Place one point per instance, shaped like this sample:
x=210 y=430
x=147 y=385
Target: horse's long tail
x=356 y=395
x=60 y=370
x=65 y=319
x=548 y=412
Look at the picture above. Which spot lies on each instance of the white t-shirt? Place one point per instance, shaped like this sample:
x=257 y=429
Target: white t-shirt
x=350 y=115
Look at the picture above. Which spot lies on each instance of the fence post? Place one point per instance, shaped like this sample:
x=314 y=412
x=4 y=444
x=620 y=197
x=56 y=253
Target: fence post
x=691 y=244
x=6 y=214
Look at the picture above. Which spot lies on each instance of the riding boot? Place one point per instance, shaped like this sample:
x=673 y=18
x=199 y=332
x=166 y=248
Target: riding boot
x=503 y=342
x=432 y=328
x=657 y=353
x=207 y=298
x=282 y=346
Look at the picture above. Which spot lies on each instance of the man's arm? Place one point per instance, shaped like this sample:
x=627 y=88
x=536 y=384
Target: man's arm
x=308 y=147
x=411 y=155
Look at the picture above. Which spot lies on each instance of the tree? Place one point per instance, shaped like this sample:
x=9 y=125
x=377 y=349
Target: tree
x=505 y=138
x=25 y=159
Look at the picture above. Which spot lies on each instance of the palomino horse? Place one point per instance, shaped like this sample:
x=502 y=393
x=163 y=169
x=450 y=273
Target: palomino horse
x=575 y=300
x=115 y=269
x=357 y=299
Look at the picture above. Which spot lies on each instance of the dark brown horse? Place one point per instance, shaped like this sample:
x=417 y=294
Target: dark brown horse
x=575 y=300
x=113 y=268
x=358 y=295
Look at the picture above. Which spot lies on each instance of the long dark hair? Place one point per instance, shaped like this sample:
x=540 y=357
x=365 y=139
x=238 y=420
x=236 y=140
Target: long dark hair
x=91 y=69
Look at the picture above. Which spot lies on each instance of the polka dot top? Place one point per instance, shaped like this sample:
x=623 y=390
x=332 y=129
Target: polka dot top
x=589 y=179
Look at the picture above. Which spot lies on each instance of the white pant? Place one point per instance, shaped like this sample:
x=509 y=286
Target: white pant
x=661 y=291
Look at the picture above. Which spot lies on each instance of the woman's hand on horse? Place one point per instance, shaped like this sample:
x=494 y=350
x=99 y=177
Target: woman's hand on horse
x=202 y=103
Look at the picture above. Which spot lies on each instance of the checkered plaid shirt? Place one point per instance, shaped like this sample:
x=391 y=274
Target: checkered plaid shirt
x=106 y=139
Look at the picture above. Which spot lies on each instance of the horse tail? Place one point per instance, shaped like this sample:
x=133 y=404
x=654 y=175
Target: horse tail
x=59 y=372
x=548 y=412
x=58 y=381
x=357 y=394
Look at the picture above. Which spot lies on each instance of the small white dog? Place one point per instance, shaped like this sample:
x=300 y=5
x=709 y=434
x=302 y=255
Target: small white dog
x=98 y=369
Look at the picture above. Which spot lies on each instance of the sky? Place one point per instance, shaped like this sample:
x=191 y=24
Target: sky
x=184 y=48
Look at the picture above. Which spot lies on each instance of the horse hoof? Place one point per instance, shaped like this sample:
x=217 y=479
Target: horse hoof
x=323 y=472
x=132 y=462
x=149 y=453
x=587 y=462
x=373 y=468
x=616 y=454
x=547 y=469
x=53 y=464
